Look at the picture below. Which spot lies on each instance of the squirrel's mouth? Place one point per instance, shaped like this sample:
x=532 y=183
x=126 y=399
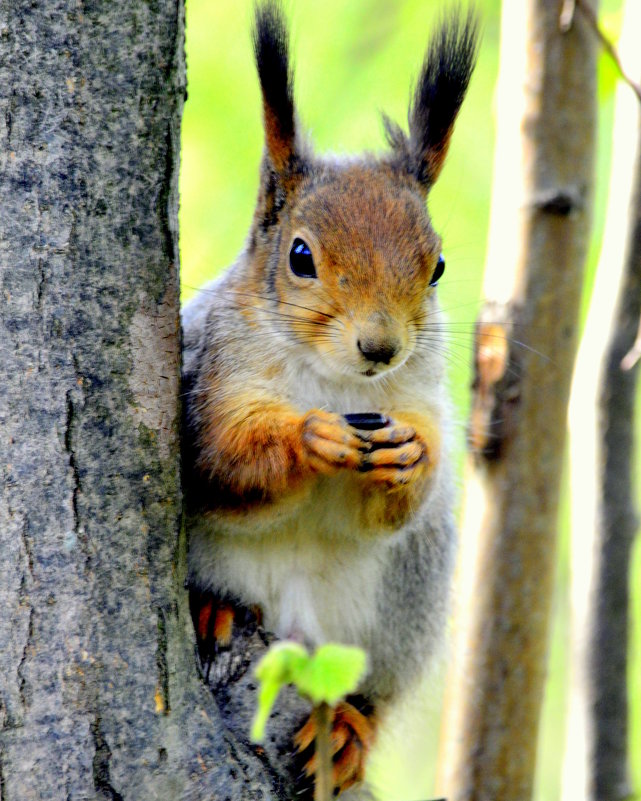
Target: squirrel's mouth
x=378 y=369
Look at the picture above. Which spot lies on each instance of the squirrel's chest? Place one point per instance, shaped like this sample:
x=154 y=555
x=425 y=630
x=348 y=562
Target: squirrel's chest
x=310 y=564
x=314 y=592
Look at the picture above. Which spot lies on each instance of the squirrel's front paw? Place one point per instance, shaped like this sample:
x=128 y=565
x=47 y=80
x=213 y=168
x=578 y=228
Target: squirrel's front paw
x=398 y=456
x=330 y=443
x=352 y=736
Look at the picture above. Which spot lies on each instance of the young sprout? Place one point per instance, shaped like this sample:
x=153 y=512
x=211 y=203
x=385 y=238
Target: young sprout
x=324 y=677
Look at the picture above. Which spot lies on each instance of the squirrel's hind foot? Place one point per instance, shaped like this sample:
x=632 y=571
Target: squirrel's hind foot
x=215 y=619
x=352 y=736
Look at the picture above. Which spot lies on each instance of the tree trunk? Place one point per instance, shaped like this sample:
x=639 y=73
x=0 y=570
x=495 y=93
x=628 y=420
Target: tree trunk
x=100 y=697
x=601 y=449
x=525 y=347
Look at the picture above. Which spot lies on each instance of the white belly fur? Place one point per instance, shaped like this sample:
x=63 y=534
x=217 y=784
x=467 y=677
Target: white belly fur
x=314 y=575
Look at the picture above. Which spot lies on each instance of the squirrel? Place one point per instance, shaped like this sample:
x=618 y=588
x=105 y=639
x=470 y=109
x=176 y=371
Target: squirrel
x=317 y=419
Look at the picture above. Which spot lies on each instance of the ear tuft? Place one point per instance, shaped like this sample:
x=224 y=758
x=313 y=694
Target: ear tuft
x=271 y=50
x=395 y=135
x=447 y=69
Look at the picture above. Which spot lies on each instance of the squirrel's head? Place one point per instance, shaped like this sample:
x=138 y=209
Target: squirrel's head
x=344 y=249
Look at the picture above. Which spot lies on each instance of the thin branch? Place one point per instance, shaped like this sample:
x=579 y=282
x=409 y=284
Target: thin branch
x=567 y=15
x=618 y=524
x=565 y=23
x=323 y=784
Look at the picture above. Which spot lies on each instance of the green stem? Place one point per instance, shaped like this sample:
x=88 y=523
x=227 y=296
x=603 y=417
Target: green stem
x=323 y=787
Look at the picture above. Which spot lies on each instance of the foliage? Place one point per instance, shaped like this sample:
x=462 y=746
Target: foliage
x=329 y=674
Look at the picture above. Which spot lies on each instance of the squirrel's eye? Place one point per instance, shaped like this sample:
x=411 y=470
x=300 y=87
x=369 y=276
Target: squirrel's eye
x=438 y=270
x=300 y=259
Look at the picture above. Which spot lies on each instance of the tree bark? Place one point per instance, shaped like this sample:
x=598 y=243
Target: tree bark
x=601 y=452
x=100 y=697
x=525 y=347
x=618 y=522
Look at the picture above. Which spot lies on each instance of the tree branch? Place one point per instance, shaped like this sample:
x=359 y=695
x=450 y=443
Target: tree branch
x=525 y=348
x=617 y=524
x=565 y=23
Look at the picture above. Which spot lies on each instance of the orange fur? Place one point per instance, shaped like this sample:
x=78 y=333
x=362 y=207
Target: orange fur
x=258 y=449
x=252 y=447
x=204 y=616
x=352 y=738
x=397 y=482
x=435 y=158
x=372 y=249
x=280 y=147
x=224 y=625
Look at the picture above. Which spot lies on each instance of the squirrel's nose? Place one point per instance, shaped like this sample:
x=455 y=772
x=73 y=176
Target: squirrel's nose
x=381 y=351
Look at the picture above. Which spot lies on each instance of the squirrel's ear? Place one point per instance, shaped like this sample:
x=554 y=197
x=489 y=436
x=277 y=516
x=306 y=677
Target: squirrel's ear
x=276 y=81
x=440 y=90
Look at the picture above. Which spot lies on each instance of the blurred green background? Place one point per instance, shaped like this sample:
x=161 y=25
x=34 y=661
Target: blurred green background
x=354 y=60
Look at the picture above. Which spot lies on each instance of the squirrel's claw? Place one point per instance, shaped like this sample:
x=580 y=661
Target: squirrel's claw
x=352 y=736
x=399 y=456
x=390 y=436
x=330 y=443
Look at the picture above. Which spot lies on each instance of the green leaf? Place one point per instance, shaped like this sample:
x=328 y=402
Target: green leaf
x=282 y=661
x=331 y=673
x=267 y=695
x=277 y=668
x=328 y=675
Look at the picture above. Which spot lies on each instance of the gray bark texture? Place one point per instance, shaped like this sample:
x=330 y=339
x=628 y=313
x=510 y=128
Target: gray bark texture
x=100 y=697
